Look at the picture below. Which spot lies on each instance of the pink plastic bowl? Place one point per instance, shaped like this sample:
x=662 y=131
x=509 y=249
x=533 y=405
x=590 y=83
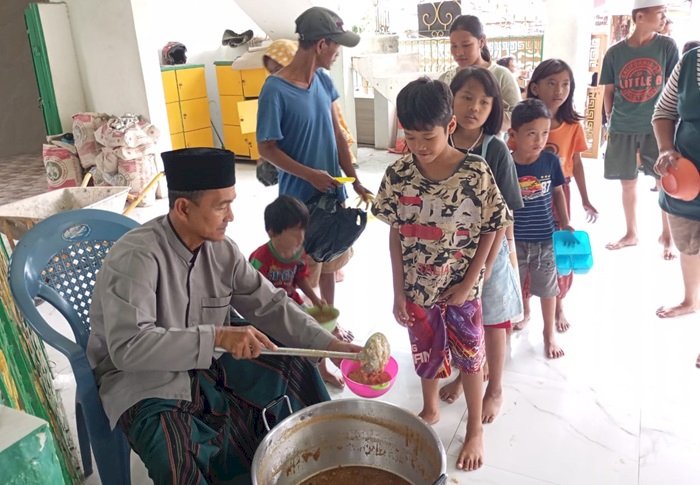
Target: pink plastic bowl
x=682 y=180
x=365 y=390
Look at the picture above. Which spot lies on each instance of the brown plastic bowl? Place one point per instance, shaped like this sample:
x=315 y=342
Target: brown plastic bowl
x=682 y=180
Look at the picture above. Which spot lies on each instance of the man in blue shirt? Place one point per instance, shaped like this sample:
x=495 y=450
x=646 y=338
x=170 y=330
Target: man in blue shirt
x=298 y=131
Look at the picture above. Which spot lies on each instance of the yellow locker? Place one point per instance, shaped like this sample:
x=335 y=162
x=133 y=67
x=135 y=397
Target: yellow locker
x=170 y=86
x=195 y=114
x=187 y=106
x=234 y=141
x=191 y=83
x=228 y=81
x=177 y=140
x=199 y=138
x=252 y=145
x=174 y=117
x=229 y=109
x=238 y=92
x=248 y=115
x=253 y=80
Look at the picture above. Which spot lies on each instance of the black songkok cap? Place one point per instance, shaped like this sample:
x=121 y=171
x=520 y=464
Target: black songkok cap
x=191 y=169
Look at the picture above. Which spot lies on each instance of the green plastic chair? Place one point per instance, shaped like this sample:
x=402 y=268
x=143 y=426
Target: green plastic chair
x=57 y=261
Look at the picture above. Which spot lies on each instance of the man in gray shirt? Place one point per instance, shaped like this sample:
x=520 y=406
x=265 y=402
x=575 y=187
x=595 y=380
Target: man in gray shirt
x=161 y=305
x=634 y=73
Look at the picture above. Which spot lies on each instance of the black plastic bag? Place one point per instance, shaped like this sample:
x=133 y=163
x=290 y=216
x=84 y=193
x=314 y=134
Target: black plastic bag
x=266 y=173
x=332 y=228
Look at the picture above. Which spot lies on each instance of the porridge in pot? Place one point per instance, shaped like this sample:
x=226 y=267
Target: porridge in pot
x=352 y=475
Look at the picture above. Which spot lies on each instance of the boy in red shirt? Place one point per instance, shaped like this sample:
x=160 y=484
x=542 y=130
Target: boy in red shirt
x=282 y=259
x=283 y=262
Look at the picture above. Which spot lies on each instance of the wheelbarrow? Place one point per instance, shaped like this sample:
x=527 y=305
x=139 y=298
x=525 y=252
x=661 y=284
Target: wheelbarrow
x=16 y=218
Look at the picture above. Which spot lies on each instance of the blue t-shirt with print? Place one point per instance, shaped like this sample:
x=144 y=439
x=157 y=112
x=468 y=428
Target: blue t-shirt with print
x=300 y=120
x=535 y=221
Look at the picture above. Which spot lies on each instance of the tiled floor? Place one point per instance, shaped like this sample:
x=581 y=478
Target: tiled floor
x=620 y=408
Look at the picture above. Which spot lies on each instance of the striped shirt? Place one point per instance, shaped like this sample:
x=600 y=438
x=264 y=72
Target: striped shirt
x=535 y=221
x=667 y=106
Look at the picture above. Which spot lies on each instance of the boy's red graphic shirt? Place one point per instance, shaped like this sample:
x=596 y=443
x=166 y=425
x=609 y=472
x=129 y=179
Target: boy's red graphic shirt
x=641 y=80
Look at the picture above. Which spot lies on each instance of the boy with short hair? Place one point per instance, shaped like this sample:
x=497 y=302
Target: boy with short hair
x=634 y=73
x=282 y=259
x=444 y=209
x=541 y=180
x=284 y=263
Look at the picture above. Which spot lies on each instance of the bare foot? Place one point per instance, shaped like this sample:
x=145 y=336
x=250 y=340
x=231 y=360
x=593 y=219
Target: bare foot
x=669 y=253
x=485 y=371
x=517 y=326
x=331 y=378
x=430 y=417
x=342 y=334
x=472 y=455
x=552 y=350
x=676 y=311
x=561 y=323
x=491 y=406
x=622 y=243
x=451 y=391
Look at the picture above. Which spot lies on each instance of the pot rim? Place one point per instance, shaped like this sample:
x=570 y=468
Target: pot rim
x=270 y=436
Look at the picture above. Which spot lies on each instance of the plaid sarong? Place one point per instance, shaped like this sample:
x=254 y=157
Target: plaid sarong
x=212 y=439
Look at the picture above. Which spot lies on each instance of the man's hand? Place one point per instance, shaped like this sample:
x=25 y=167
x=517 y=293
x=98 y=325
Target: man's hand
x=366 y=196
x=340 y=346
x=243 y=342
x=667 y=158
x=337 y=345
x=322 y=180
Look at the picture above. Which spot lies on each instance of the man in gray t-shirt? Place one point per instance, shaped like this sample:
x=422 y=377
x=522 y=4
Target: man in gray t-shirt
x=634 y=73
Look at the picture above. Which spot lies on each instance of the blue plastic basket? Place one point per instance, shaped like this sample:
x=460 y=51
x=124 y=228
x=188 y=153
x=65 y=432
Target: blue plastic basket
x=572 y=252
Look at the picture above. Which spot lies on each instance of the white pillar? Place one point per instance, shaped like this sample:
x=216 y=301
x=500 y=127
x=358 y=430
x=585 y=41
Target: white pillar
x=694 y=12
x=384 y=122
x=567 y=36
x=342 y=75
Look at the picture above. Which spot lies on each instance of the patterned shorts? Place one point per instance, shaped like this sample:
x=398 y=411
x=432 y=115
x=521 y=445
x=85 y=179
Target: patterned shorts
x=444 y=334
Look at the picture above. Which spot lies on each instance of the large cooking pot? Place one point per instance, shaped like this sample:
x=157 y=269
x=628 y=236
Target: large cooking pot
x=349 y=432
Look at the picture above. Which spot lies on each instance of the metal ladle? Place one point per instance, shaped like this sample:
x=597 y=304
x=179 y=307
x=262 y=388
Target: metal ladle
x=374 y=356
